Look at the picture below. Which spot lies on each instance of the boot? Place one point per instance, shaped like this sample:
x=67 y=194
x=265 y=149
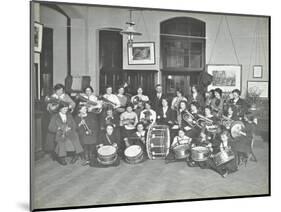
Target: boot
x=74 y=159
x=62 y=161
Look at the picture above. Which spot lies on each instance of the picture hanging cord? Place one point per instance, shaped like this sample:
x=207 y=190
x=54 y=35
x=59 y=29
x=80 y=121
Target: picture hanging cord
x=231 y=37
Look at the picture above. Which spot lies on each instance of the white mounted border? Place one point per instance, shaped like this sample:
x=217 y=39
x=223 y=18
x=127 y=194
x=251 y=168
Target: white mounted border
x=225 y=77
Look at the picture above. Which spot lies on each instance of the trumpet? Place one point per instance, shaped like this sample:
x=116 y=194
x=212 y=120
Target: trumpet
x=88 y=131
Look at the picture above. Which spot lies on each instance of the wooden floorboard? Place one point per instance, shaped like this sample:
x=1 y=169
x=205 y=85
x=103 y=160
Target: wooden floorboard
x=74 y=185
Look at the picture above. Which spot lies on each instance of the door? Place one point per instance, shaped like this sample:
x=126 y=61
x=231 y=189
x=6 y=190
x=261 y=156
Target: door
x=173 y=82
x=141 y=78
x=110 y=53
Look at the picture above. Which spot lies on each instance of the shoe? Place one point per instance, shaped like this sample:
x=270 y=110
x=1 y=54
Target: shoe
x=85 y=163
x=62 y=161
x=74 y=159
x=224 y=174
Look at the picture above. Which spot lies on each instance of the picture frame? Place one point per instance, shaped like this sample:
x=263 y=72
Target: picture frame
x=141 y=53
x=225 y=77
x=38 y=35
x=257 y=71
x=262 y=86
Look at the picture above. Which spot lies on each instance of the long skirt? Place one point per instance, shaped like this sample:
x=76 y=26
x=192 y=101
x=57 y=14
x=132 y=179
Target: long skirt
x=69 y=144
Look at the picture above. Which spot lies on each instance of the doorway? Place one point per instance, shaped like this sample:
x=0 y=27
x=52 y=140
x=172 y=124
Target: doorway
x=173 y=82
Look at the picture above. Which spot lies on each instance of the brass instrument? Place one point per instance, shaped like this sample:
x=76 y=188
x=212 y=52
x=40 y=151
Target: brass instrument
x=203 y=121
x=108 y=102
x=89 y=103
x=54 y=102
x=189 y=118
x=88 y=131
x=227 y=122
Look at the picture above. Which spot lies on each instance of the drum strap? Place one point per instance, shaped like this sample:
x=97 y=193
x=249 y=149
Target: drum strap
x=108 y=139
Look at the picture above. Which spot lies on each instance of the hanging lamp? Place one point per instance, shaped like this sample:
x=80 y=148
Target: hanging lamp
x=130 y=31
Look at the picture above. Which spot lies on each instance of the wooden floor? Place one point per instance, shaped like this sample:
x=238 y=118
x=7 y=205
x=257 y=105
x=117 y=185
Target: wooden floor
x=153 y=180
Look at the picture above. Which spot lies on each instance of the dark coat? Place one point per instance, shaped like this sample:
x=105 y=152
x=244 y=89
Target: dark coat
x=156 y=102
x=56 y=125
x=92 y=122
x=114 y=138
x=199 y=100
x=170 y=116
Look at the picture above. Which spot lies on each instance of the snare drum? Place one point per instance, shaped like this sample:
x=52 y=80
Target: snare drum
x=107 y=155
x=223 y=157
x=200 y=153
x=133 y=154
x=158 y=142
x=181 y=151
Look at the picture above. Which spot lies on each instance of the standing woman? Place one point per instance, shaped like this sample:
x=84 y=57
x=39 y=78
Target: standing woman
x=196 y=97
x=123 y=99
x=176 y=100
x=88 y=131
x=139 y=97
x=64 y=127
x=52 y=107
x=217 y=102
x=165 y=115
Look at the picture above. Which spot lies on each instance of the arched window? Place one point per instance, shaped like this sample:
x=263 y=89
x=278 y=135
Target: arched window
x=182 y=44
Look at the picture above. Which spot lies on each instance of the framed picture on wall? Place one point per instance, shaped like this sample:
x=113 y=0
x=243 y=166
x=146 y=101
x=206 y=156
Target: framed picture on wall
x=226 y=77
x=257 y=71
x=141 y=53
x=38 y=34
x=259 y=87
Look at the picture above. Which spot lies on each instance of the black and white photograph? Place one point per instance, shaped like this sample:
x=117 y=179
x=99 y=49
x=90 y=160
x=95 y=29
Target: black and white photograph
x=136 y=105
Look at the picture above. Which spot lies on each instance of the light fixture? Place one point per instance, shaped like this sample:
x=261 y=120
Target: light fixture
x=130 y=31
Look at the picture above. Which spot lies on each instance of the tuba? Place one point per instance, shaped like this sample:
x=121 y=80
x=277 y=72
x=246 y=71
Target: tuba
x=189 y=118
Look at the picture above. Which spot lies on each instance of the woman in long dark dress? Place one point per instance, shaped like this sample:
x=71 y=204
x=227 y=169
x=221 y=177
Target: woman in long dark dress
x=88 y=130
x=64 y=127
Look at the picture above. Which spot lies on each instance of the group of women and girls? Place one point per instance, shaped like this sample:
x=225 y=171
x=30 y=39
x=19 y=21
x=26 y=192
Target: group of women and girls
x=79 y=128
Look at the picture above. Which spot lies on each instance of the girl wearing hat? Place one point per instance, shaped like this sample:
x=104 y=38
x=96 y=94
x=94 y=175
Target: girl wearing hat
x=64 y=127
x=59 y=94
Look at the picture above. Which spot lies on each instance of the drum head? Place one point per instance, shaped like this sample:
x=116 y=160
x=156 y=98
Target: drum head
x=106 y=150
x=200 y=149
x=133 y=151
x=236 y=127
x=181 y=146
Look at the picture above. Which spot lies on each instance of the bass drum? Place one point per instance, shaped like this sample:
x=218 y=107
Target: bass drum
x=107 y=155
x=223 y=157
x=158 y=142
x=133 y=154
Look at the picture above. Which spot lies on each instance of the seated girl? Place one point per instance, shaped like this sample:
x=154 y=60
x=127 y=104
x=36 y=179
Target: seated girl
x=109 y=138
x=180 y=139
x=148 y=116
x=128 y=122
x=64 y=127
x=137 y=138
x=225 y=168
